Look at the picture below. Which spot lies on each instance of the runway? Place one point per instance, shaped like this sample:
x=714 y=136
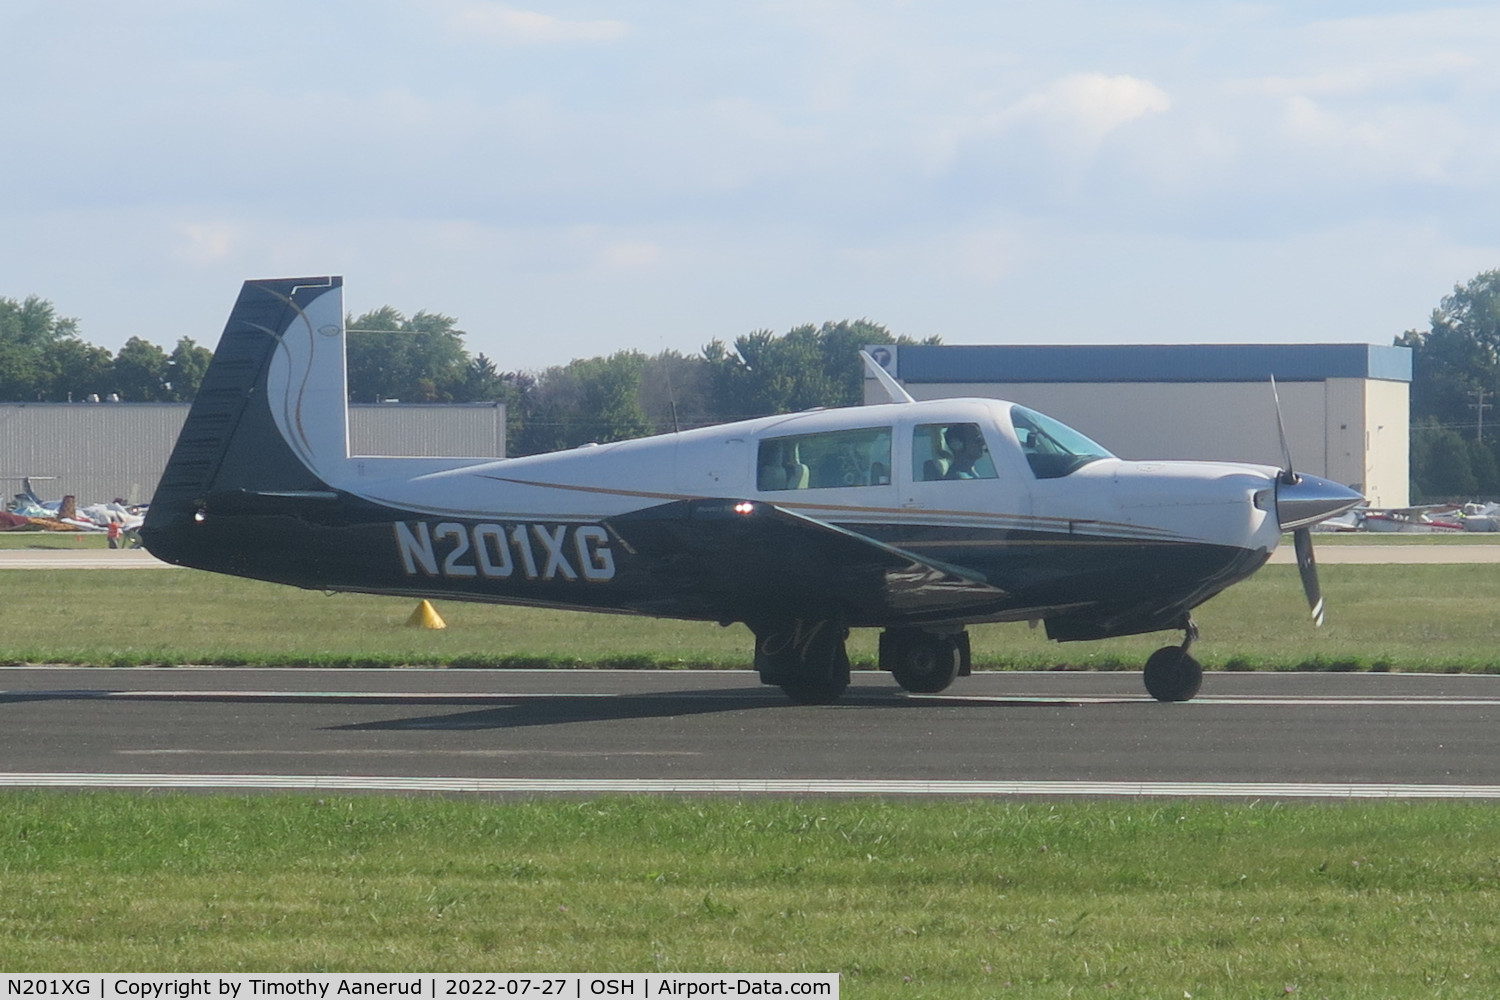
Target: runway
x=528 y=732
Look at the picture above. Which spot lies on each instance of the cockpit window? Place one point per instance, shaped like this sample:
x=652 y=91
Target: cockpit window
x=1053 y=449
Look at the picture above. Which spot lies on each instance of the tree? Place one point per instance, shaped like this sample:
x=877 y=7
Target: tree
x=140 y=372
x=1458 y=355
x=73 y=370
x=29 y=329
x=186 y=367
x=809 y=366
x=1486 y=470
x=676 y=393
x=588 y=400
x=416 y=360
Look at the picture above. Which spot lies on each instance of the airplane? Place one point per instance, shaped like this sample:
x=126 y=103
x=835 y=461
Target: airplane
x=916 y=518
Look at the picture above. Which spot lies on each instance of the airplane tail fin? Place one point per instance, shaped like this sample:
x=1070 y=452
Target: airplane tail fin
x=270 y=418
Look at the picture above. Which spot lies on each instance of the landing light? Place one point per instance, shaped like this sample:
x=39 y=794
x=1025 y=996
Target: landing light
x=744 y=507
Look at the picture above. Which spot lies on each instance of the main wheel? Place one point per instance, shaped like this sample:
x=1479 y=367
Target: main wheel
x=1173 y=675
x=921 y=662
x=806 y=659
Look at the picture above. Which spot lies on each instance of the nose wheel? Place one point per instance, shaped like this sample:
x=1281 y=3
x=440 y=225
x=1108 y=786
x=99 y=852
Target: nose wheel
x=1171 y=672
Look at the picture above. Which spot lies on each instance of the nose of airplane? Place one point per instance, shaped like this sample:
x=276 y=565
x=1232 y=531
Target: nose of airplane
x=1302 y=500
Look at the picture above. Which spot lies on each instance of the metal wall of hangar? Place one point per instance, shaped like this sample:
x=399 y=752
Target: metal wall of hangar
x=1346 y=406
x=100 y=451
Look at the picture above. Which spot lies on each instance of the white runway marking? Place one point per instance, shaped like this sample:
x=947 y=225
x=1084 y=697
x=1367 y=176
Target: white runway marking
x=778 y=786
x=392 y=752
x=1220 y=700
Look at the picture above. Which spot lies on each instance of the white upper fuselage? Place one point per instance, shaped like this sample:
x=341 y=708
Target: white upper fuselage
x=1158 y=501
x=879 y=475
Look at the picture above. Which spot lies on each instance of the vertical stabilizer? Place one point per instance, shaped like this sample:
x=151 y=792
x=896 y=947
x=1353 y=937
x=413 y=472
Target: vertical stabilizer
x=271 y=412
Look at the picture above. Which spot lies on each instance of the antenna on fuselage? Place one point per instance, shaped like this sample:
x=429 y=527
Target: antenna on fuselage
x=893 y=389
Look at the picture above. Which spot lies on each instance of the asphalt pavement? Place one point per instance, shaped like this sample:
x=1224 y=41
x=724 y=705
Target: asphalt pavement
x=1049 y=734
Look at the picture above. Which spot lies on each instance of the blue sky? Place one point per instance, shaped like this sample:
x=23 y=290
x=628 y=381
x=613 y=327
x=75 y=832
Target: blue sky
x=575 y=178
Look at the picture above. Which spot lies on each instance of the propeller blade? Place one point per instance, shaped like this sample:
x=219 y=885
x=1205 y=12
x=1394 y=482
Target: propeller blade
x=1287 y=475
x=1307 y=566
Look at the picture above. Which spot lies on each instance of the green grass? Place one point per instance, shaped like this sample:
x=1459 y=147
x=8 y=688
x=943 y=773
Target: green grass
x=1400 y=618
x=64 y=540
x=935 y=899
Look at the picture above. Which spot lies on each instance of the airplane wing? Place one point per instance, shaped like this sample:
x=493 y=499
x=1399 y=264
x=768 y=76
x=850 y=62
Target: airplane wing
x=707 y=556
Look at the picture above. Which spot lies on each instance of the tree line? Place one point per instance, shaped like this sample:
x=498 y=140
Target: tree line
x=628 y=394
x=1455 y=419
x=423 y=359
x=44 y=360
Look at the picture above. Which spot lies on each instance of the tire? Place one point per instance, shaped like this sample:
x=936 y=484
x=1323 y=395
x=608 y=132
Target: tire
x=1172 y=675
x=921 y=662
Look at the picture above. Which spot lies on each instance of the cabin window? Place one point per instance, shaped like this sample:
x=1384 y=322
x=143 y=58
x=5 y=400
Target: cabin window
x=950 y=451
x=1052 y=448
x=821 y=461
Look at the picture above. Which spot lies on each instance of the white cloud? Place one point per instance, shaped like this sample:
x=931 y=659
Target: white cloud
x=1080 y=110
x=202 y=243
x=502 y=23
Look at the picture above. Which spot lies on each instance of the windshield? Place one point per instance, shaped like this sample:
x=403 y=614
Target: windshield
x=1053 y=449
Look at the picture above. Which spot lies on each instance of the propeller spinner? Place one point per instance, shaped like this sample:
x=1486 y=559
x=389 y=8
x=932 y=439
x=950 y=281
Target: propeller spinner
x=1301 y=502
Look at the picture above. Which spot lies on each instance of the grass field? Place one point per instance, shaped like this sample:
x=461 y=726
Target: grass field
x=1400 y=618
x=940 y=899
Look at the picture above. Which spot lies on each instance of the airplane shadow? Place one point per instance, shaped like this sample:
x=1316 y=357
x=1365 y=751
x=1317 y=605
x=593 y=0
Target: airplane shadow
x=547 y=710
x=504 y=711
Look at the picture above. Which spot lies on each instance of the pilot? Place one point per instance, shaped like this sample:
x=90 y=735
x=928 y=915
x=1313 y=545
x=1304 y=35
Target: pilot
x=967 y=446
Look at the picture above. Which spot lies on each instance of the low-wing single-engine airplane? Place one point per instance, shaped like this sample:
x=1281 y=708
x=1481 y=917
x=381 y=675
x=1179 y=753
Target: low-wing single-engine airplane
x=918 y=518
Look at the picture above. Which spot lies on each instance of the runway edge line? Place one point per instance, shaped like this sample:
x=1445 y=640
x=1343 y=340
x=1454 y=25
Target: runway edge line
x=775 y=786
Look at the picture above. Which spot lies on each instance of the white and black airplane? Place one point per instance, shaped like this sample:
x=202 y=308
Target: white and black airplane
x=918 y=518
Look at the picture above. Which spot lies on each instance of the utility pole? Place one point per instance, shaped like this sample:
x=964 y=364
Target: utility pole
x=1479 y=406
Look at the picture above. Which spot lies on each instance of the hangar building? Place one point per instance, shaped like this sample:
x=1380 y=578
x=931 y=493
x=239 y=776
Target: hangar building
x=100 y=451
x=1346 y=406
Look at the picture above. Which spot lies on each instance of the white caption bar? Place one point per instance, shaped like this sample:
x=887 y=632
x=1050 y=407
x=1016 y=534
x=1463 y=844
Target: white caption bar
x=434 y=986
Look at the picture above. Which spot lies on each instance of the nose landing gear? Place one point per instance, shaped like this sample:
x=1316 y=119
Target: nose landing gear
x=1171 y=673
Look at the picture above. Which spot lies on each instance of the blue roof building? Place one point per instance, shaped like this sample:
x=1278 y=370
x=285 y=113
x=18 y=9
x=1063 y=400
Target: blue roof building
x=1346 y=406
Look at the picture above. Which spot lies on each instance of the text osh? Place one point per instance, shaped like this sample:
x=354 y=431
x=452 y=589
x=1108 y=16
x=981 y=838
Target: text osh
x=565 y=552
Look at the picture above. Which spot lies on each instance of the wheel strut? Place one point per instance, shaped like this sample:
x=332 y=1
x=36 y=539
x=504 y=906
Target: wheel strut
x=1189 y=633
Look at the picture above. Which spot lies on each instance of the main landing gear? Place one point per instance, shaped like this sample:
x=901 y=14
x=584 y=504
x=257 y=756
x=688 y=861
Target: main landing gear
x=924 y=662
x=808 y=659
x=1171 y=673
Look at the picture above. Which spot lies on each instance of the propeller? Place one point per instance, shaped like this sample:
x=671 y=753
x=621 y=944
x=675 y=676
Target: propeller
x=1307 y=568
x=1301 y=502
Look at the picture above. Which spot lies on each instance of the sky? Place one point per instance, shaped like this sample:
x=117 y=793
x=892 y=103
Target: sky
x=571 y=178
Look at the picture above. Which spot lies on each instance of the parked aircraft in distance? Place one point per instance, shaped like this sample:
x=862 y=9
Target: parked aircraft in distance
x=918 y=518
